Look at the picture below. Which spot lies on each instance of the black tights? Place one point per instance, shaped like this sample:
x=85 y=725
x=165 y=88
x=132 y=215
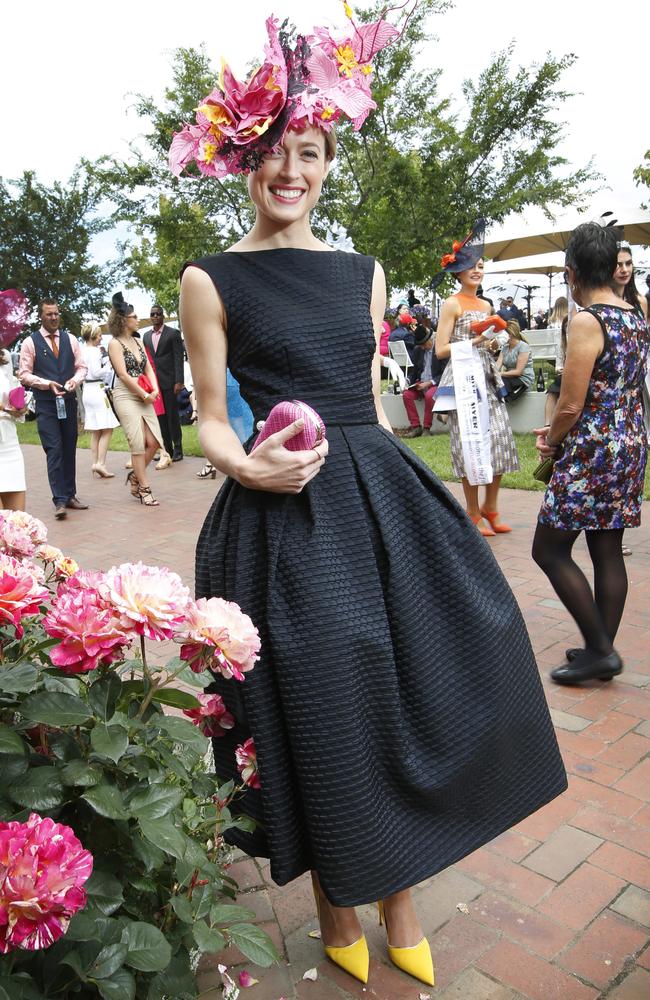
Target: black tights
x=597 y=615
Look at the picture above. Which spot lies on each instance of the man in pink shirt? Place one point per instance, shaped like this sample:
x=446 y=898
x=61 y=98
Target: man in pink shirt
x=52 y=365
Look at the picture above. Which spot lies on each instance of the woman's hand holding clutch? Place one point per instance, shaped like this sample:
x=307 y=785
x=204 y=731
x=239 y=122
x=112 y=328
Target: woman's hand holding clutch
x=275 y=469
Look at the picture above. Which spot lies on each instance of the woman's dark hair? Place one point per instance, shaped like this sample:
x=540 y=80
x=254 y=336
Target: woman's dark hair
x=630 y=294
x=592 y=252
x=565 y=323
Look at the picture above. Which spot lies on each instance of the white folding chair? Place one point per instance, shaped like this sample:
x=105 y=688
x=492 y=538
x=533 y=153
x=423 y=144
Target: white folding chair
x=400 y=355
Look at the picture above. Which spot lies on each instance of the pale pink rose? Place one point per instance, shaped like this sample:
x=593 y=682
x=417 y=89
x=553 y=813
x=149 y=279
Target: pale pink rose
x=48 y=553
x=220 y=637
x=246 y=757
x=152 y=598
x=20 y=533
x=212 y=717
x=65 y=567
x=21 y=591
x=43 y=868
x=92 y=631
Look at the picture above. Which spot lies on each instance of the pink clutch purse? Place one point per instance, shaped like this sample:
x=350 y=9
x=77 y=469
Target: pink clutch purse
x=284 y=414
x=16 y=397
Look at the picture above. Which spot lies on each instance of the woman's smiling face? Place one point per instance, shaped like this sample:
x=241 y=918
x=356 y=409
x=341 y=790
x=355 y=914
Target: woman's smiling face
x=288 y=184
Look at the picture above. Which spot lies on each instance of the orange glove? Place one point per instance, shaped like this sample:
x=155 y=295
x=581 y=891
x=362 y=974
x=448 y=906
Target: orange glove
x=490 y=322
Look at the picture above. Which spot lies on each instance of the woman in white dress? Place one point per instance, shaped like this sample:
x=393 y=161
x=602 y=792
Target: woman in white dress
x=12 y=464
x=99 y=417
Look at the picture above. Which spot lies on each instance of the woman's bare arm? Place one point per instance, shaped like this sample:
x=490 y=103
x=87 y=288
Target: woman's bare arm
x=377 y=312
x=271 y=466
x=584 y=344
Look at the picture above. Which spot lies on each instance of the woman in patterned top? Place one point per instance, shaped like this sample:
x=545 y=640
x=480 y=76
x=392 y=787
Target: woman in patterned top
x=598 y=439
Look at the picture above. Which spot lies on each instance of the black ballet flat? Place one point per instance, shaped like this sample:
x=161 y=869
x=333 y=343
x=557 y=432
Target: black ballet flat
x=573 y=652
x=585 y=668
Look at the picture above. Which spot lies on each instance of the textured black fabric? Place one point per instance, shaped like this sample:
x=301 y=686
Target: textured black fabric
x=397 y=710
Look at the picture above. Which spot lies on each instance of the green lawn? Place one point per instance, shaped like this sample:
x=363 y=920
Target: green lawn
x=432 y=450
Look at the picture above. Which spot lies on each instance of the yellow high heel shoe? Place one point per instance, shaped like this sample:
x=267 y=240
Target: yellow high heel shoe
x=417 y=960
x=353 y=958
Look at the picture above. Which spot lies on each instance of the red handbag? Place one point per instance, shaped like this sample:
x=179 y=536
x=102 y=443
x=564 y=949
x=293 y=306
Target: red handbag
x=144 y=383
x=284 y=414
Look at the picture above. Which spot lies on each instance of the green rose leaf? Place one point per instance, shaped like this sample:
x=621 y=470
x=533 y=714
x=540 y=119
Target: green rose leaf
x=103 y=695
x=89 y=927
x=190 y=679
x=150 y=856
x=176 y=981
x=148 y=950
x=183 y=731
x=155 y=802
x=19 y=986
x=78 y=772
x=41 y=789
x=183 y=909
x=120 y=986
x=104 y=892
x=64 y=746
x=107 y=801
x=19 y=679
x=208 y=939
x=254 y=943
x=225 y=913
x=109 y=741
x=109 y=960
x=175 y=698
x=10 y=741
x=54 y=680
x=163 y=834
x=55 y=709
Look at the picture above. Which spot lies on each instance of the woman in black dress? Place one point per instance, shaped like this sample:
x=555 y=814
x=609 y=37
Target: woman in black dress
x=396 y=731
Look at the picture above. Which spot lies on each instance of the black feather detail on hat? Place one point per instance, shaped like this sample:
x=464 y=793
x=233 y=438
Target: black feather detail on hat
x=120 y=306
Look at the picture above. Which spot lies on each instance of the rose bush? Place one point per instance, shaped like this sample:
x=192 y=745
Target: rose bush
x=97 y=777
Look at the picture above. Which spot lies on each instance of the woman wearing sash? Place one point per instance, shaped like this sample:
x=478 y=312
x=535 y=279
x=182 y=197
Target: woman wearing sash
x=382 y=758
x=460 y=312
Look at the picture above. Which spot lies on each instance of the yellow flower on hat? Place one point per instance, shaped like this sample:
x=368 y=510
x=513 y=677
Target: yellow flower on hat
x=346 y=60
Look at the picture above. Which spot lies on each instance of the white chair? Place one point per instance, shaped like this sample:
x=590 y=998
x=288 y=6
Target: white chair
x=400 y=355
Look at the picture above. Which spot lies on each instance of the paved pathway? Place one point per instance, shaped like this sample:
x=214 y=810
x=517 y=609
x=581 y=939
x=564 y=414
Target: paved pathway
x=557 y=908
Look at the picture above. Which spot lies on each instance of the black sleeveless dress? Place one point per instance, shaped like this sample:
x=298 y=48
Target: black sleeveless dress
x=396 y=709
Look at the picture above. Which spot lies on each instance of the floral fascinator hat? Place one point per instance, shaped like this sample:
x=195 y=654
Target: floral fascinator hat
x=304 y=80
x=463 y=254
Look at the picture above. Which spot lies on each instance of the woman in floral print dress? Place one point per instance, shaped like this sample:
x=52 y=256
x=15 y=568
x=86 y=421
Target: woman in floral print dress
x=598 y=439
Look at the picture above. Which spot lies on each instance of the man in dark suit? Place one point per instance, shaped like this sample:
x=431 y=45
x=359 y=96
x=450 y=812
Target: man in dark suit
x=52 y=365
x=165 y=345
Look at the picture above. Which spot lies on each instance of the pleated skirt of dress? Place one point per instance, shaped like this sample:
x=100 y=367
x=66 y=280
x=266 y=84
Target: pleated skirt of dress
x=397 y=709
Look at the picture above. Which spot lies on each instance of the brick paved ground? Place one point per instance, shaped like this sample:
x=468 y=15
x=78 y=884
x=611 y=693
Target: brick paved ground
x=557 y=908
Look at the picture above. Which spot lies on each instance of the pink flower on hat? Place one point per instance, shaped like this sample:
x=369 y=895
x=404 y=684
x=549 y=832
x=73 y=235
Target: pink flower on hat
x=220 y=637
x=21 y=591
x=152 y=599
x=43 y=868
x=212 y=717
x=246 y=757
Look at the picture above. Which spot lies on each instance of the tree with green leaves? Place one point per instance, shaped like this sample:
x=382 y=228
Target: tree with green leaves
x=414 y=178
x=45 y=244
x=642 y=174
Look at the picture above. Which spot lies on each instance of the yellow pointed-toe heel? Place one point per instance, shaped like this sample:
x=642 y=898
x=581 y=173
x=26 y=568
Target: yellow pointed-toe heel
x=353 y=958
x=416 y=961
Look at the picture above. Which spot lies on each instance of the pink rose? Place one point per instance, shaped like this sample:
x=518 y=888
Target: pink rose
x=151 y=598
x=20 y=533
x=43 y=868
x=21 y=591
x=212 y=717
x=220 y=637
x=246 y=757
x=92 y=631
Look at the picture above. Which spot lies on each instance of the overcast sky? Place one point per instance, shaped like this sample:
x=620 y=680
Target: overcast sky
x=69 y=70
